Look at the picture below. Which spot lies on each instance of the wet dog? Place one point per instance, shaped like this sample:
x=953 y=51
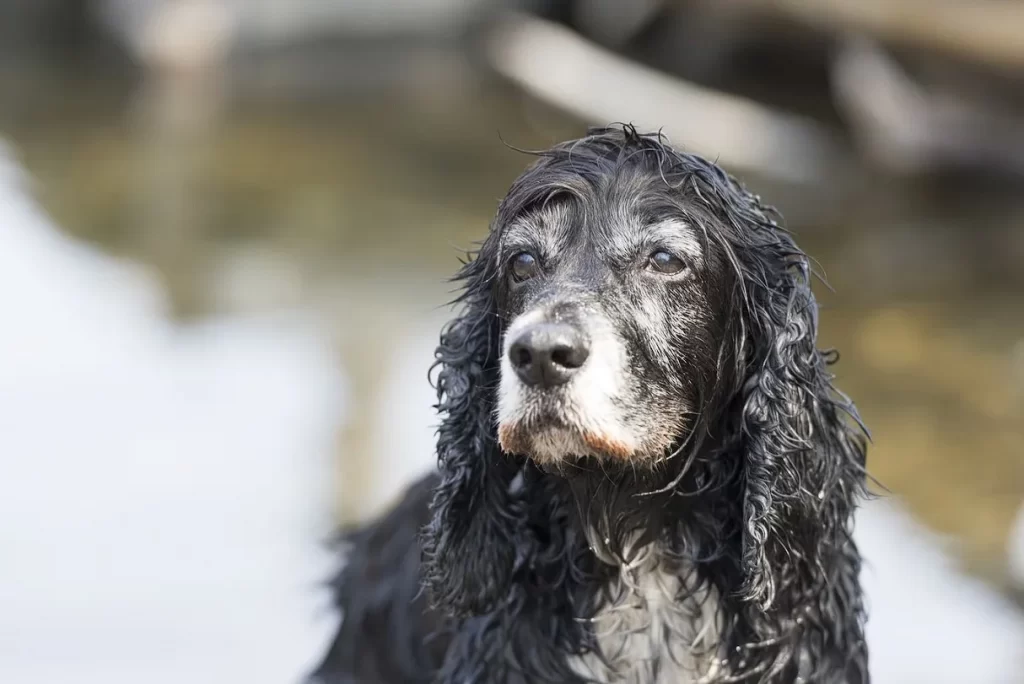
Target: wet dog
x=645 y=473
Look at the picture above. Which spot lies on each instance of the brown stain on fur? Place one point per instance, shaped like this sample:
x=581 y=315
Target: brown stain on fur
x=510 y=439
x=603 y=445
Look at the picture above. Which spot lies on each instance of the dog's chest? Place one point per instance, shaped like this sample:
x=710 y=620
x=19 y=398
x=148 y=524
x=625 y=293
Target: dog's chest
x=660 y=627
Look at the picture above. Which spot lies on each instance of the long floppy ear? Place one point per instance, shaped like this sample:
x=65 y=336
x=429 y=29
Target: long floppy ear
x=803 y=444
x=469 y=544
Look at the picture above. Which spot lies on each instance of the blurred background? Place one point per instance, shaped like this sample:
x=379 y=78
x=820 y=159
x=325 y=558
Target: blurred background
x=225 y=232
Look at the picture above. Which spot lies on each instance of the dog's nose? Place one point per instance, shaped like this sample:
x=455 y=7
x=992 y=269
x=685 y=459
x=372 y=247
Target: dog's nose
x=547 y=354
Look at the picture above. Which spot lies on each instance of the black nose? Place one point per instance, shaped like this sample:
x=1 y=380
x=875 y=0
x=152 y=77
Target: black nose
x=547 y=354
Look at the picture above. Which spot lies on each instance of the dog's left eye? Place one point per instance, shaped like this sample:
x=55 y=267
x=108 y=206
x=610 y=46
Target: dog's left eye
x=665 y=262
x=524 y=266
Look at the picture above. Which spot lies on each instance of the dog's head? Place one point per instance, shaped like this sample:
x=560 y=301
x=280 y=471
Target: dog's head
x=611 y=294
x=635 y=306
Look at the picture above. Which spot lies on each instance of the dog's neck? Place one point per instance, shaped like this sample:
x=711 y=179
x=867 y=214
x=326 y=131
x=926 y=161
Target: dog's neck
x=621 y=510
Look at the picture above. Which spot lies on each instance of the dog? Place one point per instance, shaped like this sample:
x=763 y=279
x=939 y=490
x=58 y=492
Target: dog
x=645 y=472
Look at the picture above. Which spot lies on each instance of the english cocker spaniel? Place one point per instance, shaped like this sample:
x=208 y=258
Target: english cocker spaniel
x=645 y=473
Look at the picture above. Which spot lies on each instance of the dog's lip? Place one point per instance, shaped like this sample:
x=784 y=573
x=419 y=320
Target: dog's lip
x=510 y=432
x=550 y=417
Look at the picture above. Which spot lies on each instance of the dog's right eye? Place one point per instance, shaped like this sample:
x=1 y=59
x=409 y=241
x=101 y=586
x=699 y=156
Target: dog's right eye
x=524 y=266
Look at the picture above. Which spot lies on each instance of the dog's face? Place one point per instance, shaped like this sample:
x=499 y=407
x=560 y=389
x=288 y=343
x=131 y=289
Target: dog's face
x=611 y=296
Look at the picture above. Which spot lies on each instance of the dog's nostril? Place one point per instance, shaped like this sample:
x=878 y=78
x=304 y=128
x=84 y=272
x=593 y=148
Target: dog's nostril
x=521 y=356
x=569 y=356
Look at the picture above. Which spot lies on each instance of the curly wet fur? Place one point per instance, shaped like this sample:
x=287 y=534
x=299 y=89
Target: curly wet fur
x=754 y=507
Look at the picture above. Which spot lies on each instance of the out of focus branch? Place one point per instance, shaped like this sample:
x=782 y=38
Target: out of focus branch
x=908 y=128
x=987 y=31
x=568 y=71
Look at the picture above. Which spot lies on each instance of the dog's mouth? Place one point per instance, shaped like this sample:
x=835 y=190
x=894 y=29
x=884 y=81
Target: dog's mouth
x=552 y=438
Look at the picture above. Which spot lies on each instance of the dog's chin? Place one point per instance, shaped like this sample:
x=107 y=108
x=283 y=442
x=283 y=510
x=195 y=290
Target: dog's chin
x=554 y=443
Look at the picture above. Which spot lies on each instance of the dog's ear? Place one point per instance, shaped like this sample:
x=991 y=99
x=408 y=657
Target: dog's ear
x=802 y=442
x=469 y=544
x=804 y=464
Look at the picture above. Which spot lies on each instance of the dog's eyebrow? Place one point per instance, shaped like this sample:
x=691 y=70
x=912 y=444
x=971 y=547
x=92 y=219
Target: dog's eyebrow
x=520 y=231
x=546 y=229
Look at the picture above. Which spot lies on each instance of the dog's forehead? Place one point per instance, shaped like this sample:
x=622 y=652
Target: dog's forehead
x=609 y=228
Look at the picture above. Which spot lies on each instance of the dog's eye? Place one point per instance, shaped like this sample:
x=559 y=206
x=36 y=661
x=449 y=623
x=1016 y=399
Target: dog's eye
x=666 y=262
x=524 y=266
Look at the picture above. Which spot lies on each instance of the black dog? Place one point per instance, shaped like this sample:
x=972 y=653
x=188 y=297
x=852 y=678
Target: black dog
x=645 y=472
